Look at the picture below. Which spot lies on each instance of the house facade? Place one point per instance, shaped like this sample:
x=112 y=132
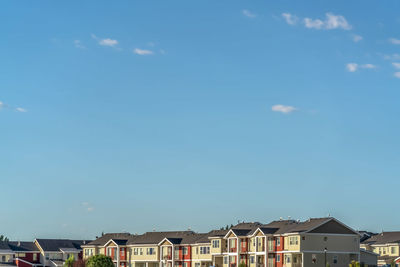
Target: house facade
x=283 y=243
x=386 y=245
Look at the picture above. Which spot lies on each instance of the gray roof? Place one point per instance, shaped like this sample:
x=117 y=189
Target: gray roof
x=17 y=246
x=101 y=241
x=57 y=244
x=157 y=237
x=23 y=246
x=384 y=238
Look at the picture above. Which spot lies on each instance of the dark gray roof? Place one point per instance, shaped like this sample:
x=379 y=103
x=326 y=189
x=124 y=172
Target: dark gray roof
x=157 y=237
x=23 y=246
x=57 y=244
x=384 y=238
x=217 y=233
x=101 y=241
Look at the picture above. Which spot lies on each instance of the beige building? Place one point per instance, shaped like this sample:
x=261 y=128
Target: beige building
x=386 y=245
x=283 y=243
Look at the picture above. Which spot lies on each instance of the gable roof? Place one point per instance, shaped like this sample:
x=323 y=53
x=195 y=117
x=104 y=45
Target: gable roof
x=104 y=239
x=156 y=237
x=58 y=244
x=383 y=238
x=23 y=246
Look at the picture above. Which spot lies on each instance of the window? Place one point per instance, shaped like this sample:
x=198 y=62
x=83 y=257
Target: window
x=278 y=241
x=135 y=251
x=225 y=260
x=197 y=264
x=254 y=242
x=185 y=250
x=150 y=251
x=204 y=250
x=325 y=238
x=287 y=258
x=335 y=259
x=122 y=252
x=303 y=238
x=293 y=240
x=3 y=258
x=215 y=243
x=278 y=257
x=140 y=251
x=185 y=264
x=34 y=257
x=393 y=250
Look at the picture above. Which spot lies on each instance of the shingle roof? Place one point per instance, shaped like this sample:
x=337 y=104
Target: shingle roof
x=101 y=241
x=23 y=246
x=57 y=244
x=384 y=238
x=217 y=233
x=157 y=237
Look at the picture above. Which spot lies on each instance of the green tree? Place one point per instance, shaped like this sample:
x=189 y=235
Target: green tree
x=328 y=265
x=392 y=264
x=99 y=261
x=3 y=238
x=354 y=264
x=70 y=261
x=242 y=264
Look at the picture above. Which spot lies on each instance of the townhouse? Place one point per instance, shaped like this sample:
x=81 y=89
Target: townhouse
x=40 y=253
x=386 y=245
x=54 y=252
x=283 y=243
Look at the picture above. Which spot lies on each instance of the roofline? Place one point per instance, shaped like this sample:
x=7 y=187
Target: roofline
x=226 y=235
x=165 y=239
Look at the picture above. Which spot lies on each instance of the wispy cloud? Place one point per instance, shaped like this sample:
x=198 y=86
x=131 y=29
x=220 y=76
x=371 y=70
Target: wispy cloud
x=396 y=65
x=394 y=41
x=142 y=52
x=248 y=13
x=392 y=57
x=283 y=109
x=87 y=206
x=353 y=67
x=330 y=22
x=78 y=44
x=106 y=41
x=357 y=38
x=5 y=106
x=21 y=109
x=290 y=19
x=397 y=74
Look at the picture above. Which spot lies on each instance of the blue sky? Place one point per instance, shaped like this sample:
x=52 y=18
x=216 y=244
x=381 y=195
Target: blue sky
x=141 y=115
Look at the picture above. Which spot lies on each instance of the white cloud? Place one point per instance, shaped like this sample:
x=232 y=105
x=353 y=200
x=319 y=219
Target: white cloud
x=368 y=66
x=392 y=57
x=248 y=13
x=331 y=22
x=357 y=38
x=105 y=42
x=289 y=18
x=394 y=41
x=395 y=64
x=78 y=44
x=21 y=110
x=142 y=52
x=283 y=109
x=352 y=67
x=1 y=105
x=108 y=42
x=397 y=74
x=87 y=206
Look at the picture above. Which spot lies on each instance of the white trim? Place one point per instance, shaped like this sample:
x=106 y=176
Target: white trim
x=227 y=234
x=162 y=241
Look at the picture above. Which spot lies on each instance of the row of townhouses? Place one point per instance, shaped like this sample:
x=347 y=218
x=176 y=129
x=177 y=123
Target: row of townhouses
x=284 y=243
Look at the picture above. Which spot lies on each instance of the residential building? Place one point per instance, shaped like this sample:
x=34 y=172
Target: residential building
x=54 y=252
x=386 y=245
x=282 y=243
